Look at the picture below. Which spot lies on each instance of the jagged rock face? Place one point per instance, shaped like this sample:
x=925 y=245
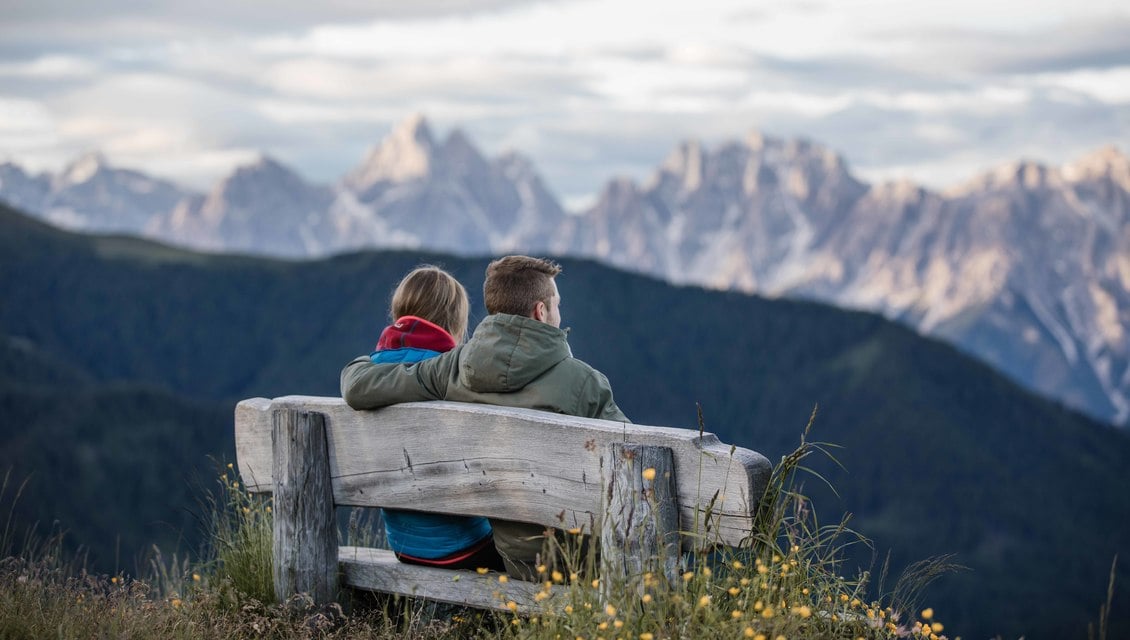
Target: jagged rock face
x=90 y=195
x=22 y=191
x=448 y=197
x=1027 y=266
x=261 y=208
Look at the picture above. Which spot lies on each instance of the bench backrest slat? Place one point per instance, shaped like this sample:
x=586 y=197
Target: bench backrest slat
x=500 y=462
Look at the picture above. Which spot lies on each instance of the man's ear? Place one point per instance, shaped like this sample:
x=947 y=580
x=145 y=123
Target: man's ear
x=541 y=312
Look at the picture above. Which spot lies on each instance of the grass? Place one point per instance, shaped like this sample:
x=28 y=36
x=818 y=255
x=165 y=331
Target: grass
x=784 y=583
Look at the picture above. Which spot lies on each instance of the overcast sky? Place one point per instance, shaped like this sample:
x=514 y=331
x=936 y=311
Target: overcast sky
x=931 y=91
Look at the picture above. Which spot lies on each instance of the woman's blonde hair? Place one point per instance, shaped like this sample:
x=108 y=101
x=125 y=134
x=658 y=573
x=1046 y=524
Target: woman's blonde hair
x=435 y=295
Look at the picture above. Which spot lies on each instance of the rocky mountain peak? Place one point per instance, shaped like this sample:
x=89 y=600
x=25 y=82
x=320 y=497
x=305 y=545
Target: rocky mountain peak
x=407 y=153
x=264 y=170
x=686 y=164
x=83 y=168
x=1106 y=163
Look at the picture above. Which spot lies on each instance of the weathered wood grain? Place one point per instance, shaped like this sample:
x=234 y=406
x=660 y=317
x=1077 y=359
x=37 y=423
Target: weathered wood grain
x=305 y=531
x=640 y=529
x=379 y=570
x=515 y=464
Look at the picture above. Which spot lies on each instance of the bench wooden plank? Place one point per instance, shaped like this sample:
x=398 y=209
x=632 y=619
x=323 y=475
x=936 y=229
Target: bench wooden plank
x=379 y=570
x=501 y=462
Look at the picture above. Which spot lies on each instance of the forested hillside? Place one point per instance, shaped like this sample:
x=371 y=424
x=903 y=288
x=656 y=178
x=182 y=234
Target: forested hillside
x=120 y=362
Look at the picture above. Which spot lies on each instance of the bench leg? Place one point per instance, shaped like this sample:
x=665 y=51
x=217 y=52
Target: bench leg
x=639 y=530
x=305 y=535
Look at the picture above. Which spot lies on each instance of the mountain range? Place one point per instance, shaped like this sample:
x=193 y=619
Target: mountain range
x=1027 y=266
x=121 y=361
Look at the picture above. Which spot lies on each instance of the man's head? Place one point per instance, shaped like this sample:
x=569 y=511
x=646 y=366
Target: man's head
x=523 y=286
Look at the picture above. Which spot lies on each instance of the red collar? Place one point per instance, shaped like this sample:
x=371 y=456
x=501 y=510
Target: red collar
x=411 y=331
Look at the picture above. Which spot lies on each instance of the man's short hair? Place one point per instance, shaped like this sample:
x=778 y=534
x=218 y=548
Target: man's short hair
x=515 y=284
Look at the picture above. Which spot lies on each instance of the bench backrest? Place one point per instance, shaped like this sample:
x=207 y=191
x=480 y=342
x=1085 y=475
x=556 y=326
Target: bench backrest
x=515 y=464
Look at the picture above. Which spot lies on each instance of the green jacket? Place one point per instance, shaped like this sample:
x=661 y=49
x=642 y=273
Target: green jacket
x=510 y=361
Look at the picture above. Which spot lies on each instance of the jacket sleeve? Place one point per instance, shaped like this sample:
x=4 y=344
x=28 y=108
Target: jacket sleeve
x=368 y=385
x=601 y=404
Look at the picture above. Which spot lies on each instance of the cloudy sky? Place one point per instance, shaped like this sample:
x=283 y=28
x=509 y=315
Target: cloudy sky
x=589 y=89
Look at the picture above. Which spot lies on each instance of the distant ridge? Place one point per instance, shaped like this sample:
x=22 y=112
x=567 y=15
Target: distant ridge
x=1024 y=266
x=121 y=359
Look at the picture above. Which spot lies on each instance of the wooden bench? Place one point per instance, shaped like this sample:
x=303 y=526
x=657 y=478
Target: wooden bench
x=566 y=472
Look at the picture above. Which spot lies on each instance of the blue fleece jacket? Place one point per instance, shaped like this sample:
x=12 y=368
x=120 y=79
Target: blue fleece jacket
x=430 y=536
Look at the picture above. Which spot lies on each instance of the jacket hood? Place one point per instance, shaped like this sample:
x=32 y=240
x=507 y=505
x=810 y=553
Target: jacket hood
x=508 y=352
x=410 y=331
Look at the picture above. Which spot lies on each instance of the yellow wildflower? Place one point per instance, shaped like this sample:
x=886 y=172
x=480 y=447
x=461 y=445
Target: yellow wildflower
x=504 y=578
x=482 y=571
x=767 y=612
x=568 y=608
x=610 y=610
x=575 y=531
x=541 y=568
x=649 y=474
x=557 y=576
x=704 y=601
x=707 y=572
x=927 y=614
x=843 y=597
x=513 y=606
x=617 y=623
x=573 y=577
x=748 y=632
x=803 y=611
x=646 y=636
x=602 y=626
x=734 y=591
x=196 y=577
x=745 y=582
x=936 y=627
x=176 y=603
x=596 y=583
x=687 y=576
x=115 y=579
x=735 y=614
x=268 y=509
x=646 y=598
x=738 y=564
x=540 y=595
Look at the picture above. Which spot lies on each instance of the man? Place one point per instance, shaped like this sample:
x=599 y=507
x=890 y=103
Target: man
x=517 y=357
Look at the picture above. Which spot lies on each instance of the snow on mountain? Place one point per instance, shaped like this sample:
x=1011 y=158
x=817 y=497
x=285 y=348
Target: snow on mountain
x=263 y=207
x=1026 y=266
x=448 y=197
x=90 y=195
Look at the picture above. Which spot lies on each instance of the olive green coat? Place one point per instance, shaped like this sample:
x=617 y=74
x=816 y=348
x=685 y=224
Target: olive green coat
x=510 y=361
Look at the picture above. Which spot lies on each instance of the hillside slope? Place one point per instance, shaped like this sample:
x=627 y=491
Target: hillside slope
x=122 y=360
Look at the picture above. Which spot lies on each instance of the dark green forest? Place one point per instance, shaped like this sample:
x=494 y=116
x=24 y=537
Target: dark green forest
x=121 y=361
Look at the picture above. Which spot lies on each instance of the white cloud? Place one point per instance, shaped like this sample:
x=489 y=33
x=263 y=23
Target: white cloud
x=52 y=66
x=589 y=88
x=1111 y=86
